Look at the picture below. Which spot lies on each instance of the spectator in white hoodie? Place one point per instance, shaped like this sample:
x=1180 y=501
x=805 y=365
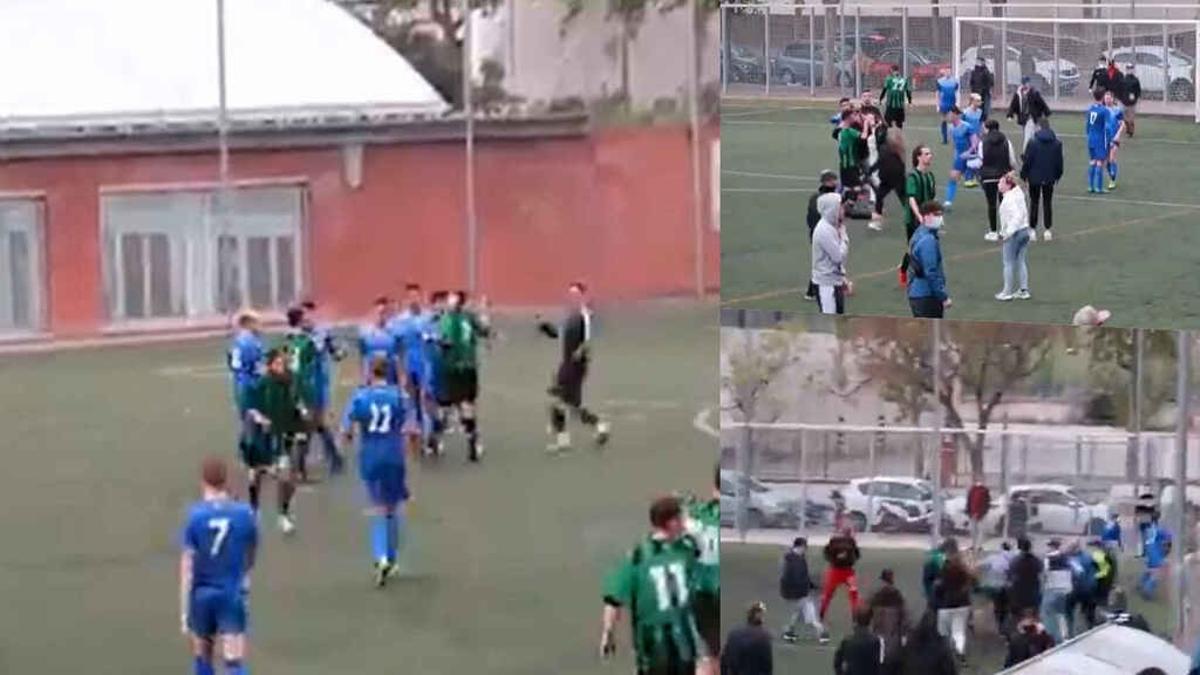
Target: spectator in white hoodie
x=830 y=248
x=1014 y=232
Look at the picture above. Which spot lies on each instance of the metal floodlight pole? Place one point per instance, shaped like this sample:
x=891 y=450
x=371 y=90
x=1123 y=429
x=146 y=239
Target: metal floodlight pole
x=223 y=190
x=469 y=113
x=694 y=120
x=1183 y=396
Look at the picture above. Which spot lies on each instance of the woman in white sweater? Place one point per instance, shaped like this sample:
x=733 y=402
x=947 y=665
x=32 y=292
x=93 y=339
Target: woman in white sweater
x=1014 y=232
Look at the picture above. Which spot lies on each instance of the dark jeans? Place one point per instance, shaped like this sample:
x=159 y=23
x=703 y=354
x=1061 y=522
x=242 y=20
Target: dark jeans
x=991 y=192
x=909 y=229
x=1046 y=194
x=884 y=189
x=927 y=308
x=811 y=293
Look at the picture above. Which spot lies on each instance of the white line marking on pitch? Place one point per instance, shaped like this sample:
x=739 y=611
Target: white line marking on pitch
x=700 y=422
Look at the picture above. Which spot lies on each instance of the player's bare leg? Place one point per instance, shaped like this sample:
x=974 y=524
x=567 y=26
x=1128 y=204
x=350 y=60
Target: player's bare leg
x=560 y=438
x=233 y=651
x=466 y=415
x=285 y=489
x=202 y=655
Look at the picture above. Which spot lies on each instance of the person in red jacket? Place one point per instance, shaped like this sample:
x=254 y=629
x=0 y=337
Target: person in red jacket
x=842 y=554
x=979 y=502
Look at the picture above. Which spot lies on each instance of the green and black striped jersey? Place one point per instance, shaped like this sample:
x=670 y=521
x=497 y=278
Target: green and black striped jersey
x=897 y=92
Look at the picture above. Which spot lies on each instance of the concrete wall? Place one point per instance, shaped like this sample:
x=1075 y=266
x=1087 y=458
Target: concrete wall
x=543 y=62
x=613 y=209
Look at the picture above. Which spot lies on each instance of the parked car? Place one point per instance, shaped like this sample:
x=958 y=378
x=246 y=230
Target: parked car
x=1148 y=66
x=924 y=66
x=1043 y=63
x=872 y=497
x=745 y=65
x=799 y=62
x=769 y=506
x=1052 y=508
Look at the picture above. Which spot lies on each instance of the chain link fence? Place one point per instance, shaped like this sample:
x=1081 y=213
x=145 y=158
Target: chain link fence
x=834 y=50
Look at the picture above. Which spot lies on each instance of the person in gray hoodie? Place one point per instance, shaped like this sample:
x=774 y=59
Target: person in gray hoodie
x=830 y=248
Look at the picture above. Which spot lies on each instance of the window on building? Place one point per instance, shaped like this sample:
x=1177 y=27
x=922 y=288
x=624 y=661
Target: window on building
x=20 y=266
x=176 y=254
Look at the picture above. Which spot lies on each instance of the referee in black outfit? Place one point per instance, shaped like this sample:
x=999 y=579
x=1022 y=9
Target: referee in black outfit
x=567 y=390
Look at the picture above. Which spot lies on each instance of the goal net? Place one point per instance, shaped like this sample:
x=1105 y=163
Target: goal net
x=1060 y=55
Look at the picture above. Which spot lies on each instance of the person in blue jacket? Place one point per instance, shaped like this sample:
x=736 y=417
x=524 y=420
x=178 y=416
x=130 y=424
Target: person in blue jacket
x=927 y=293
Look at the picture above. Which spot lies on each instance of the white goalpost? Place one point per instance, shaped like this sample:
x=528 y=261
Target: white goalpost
x=1059 y=55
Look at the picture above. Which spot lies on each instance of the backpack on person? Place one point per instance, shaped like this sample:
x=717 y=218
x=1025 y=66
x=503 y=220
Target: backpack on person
x=860 y=202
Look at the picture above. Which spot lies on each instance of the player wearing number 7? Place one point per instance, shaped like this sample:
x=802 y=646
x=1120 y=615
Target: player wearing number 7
x=383 y=414
x=655 y=581
x=219 y=541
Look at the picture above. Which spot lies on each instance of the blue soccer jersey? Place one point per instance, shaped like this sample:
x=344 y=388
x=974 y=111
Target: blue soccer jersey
x=947 y=93
x=375 y=341
x=412 y=331
x=961 y=134
x=381 y=413
x=1116 y=115
x=222 y=537
x=245 y=364
x=973 y=117
x=1096 y=123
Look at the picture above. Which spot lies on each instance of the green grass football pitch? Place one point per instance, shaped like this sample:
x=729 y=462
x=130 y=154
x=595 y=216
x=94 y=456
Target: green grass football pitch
x=750 y=572
x=504 y=569
x=1133 y=250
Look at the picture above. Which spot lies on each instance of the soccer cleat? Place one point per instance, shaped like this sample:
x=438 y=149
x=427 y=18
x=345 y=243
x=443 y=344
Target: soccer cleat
x=970 y=183
x=1112 y=185
x=947 y=205
x=1046 y=236
x=902 y=277
x=875 y=225
x=383 y=570
x=286 y=524
x=561 y=442
x=475 y=452
x=790 y=637
x=602 y=433
x=1022 y=295
x=991 y=236
x=1004 y=296
x=823 y=638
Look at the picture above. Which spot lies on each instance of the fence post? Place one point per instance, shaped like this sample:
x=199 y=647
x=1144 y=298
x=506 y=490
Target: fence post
x=1004 y=444
x=904 y=38
x=857 y=51
x=1001 y=60
x=803 y=487
x=841 y=46
x=1166 y=62
x=1183 y=397
x=1054 y=71
x=939 y=418
x=725 y=60
x=812 y=49
x=872 y=471
x=767 y=47
x=1078 y=456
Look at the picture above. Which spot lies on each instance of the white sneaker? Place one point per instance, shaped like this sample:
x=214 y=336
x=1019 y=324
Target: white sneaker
x=1047 y=236
x=602 y=432
x=286 y=524
x=1022 y=295
x=1004 y=297
x=991 y=236
x=947 y=205
x=561 y=442
x=875 y=225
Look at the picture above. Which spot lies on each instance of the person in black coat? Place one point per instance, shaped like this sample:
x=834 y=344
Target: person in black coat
x=860 y=653
x=748 y=648
x=796 y=586
x=1029 y=640
x=1042 y=168
x=981 y=82
x=1131 y=93
x=890 y=171
x=829 y=181
x=998 y=161
x=1027 y=106
x=1025 y=577
x=926 y=652
x=1100 y=76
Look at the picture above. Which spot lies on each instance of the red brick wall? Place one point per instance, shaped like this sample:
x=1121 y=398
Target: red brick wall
x=613 y=209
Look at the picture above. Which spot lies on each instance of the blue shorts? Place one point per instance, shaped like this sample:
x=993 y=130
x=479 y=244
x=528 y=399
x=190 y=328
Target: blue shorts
x=959 y=165
x=944 y=108
x=386 y=482
x=1097 y=150
x=321 y=390
x=216 y=611
x=241 y=392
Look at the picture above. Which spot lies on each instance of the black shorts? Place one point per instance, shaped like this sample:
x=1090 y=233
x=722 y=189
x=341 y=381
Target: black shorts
x=894 y=116
x=850 y=177
x=568 y=382
x=459 y=386
x=708 y=621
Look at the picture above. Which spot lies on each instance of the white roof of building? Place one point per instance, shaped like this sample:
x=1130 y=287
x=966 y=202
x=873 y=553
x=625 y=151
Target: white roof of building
x=1107 y=650
x=87 y=62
